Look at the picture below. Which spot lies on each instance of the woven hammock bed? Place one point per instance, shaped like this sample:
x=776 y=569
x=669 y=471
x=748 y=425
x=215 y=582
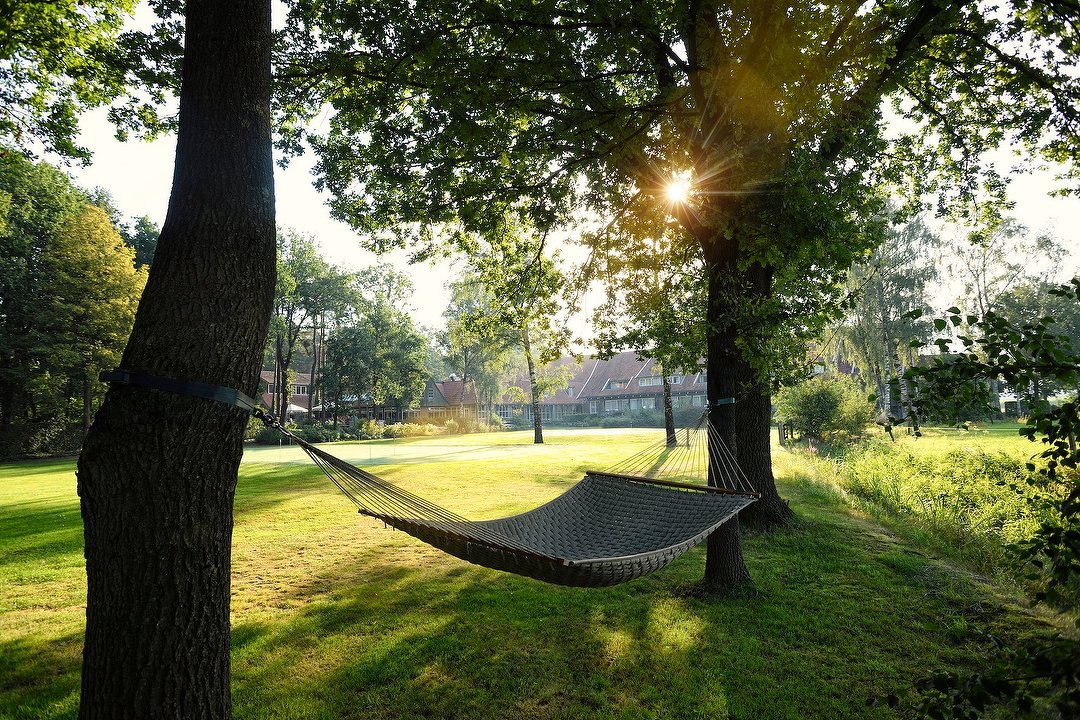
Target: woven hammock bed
x=609 y=528
x=613 y=526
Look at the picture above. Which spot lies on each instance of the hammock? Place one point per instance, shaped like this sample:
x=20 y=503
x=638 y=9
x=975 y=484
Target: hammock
x=611 y=527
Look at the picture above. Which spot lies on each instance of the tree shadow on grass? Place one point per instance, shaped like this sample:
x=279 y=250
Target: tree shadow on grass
x=40 y=679
x=399 y=631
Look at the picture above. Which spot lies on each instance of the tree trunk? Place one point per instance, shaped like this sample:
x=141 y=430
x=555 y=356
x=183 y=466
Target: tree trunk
x=534 y=391
x=284 y=353
x=87 y=402
x=753 y=428
x=724 y=566
x=158 y=471
x=669 y=414
x=314 y=369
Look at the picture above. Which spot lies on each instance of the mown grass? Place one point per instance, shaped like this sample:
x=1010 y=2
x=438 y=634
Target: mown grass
x=336 y=617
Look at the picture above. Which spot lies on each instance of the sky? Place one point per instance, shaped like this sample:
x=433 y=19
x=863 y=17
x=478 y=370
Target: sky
x=138 y=175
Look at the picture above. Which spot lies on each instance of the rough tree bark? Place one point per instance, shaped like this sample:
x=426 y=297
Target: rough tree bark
x=753 y=429
x=158 y=471
x=724 y=566
x=753 y=426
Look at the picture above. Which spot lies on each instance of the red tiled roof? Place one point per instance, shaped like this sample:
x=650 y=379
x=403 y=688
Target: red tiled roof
x=595 y=379
x=451 y=392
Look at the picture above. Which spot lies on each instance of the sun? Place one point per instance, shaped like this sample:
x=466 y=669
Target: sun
x=677 y=190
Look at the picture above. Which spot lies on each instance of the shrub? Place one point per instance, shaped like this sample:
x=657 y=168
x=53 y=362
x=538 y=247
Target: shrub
x=370 y=430
x=493 y=424
x=267 y=436
x=825 y=407
x=401 y=430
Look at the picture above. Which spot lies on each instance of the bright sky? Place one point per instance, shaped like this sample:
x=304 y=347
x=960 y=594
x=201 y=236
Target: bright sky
x=138 y=175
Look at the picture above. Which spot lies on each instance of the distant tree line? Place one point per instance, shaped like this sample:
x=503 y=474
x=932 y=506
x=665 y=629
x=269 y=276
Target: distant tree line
x=71 y=273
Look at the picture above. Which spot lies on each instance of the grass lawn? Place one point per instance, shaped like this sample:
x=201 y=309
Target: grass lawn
x=336 y=617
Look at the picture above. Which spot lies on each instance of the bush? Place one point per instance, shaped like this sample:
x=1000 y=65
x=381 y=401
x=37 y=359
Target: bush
x=267 y=436
x=370 y=430
x=825 y=408
x=493 y=424
x=402 y=430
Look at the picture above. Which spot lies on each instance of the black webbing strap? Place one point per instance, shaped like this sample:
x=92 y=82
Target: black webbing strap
x=217 y=393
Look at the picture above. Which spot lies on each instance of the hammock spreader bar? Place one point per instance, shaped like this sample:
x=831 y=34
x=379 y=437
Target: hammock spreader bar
x=609 y=528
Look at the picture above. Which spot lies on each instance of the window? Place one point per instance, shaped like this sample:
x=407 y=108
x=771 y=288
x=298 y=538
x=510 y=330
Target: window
x=698 y=401
x=594 y=407
x=611 y=406
x=616 y=384
x=675 y=379
x=652 y=381
x=299 y=389
x=569 y=392
x=431 y=393
x=271 y=389
x=701 y=379
x=635 y=403
x=648 y=403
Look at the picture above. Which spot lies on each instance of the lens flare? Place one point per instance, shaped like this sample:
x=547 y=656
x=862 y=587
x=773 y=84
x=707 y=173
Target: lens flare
x=677 y=190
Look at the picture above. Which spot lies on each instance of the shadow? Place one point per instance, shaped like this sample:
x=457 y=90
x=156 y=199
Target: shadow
x=342 y=619
x=40 y=679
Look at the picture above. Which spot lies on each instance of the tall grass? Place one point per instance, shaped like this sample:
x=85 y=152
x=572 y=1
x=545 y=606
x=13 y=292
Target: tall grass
x=969 y=499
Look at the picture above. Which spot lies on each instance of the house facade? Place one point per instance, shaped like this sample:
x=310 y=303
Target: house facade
x=299 y=392
x=446 y=399
x=622 y=383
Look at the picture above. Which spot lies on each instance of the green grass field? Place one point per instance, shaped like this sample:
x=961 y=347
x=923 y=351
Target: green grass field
x=336 y=617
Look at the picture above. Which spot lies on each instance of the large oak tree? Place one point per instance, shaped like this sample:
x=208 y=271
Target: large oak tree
x=158 y=470
x=773 y=112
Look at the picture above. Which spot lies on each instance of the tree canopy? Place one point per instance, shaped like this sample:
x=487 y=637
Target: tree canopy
x=68 y=289
x=770 y=115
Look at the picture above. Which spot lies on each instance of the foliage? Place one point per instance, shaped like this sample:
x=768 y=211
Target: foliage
x=824 y=407
x=141 y=235
x=517 y=289
x=379 y=357
x=307 y=288
x=992 y=263
x=93 y=290
x=56 y=60
x=407 y=430
x=654 y=298
x=877 y=330
x=68 y=288
x=966 y=490
x=1019 y=355
x=480 y=352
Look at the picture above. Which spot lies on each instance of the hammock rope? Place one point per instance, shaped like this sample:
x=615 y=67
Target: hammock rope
x=611 y=527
